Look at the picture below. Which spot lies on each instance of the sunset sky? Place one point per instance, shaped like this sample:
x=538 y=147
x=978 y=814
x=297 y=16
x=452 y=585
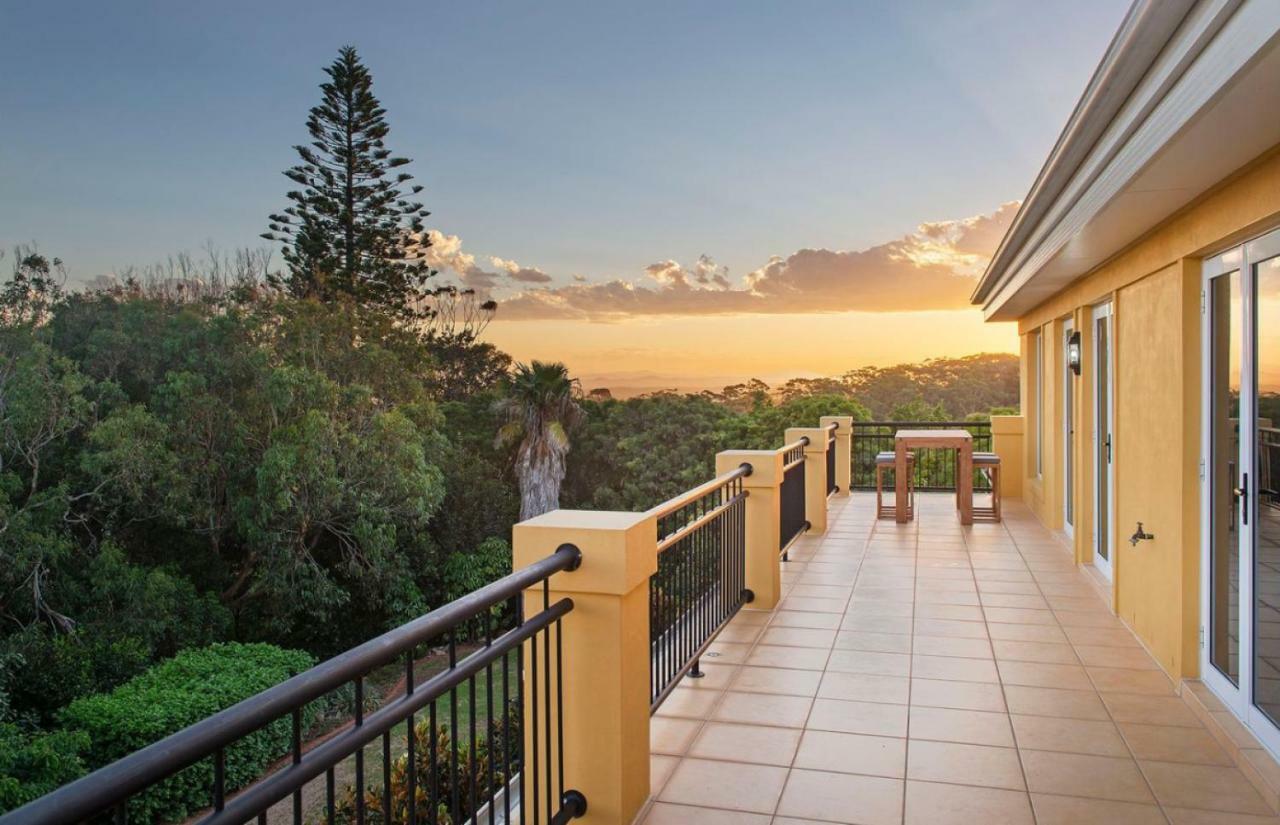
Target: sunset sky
x=661 y=194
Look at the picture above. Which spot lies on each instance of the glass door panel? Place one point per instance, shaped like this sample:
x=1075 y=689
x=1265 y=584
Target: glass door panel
x=1102 y=447
x=1226 y=347
x=1068 y=434
x=1266 y=557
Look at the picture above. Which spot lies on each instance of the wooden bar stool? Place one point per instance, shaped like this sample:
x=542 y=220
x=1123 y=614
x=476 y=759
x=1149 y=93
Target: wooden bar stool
x=989 y=465
x=885 y=463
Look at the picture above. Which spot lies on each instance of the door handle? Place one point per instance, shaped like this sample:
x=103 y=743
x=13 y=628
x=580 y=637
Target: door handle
x=1242 y=493
x=1108 y=448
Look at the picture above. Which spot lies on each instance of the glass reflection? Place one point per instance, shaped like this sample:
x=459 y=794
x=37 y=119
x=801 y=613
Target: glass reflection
x=1266 y=564
x=1226 y=348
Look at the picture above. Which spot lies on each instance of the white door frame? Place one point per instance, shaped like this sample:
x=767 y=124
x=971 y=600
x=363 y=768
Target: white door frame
x=1104 y=428
x=1242 y=258
x=1232 y=695
x=1068 y=439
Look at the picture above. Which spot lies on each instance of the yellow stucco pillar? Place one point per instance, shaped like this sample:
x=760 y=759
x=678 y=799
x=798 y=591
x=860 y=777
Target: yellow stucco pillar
x=763 y=521
x=605 y=649
x=815 y=475
x=844 y=446
x=1007 y=442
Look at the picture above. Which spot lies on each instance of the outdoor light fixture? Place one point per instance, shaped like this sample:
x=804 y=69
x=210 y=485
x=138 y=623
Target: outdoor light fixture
x=1073 y=352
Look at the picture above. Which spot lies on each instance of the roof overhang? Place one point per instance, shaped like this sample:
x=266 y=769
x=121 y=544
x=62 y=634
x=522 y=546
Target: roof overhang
x=1188 y=92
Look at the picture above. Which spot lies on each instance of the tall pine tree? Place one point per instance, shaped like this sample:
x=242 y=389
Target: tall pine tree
x=351 y=232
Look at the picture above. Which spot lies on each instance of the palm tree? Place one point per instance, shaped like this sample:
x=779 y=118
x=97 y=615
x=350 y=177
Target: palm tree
x=539 y=409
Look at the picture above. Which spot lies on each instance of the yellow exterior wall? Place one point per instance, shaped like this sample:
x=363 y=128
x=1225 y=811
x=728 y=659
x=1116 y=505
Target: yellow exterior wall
x=1154 y=287
x=1151 y=469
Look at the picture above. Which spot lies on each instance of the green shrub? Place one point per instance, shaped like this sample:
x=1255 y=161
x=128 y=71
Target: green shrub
x=32 y=765
x=180 y=692
x=434 y=779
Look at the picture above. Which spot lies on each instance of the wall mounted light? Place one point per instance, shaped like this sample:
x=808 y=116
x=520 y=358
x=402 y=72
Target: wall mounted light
x=1073 y=352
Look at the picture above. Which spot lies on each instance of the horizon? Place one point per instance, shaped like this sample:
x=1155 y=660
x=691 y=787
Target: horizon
x=651 y=197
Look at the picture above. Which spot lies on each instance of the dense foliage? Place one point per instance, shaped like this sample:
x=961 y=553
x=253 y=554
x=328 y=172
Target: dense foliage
x=182 y=468
x=180 y=692
x=32 y=764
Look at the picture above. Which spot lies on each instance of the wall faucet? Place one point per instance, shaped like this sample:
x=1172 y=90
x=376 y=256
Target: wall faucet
x=1140 y=535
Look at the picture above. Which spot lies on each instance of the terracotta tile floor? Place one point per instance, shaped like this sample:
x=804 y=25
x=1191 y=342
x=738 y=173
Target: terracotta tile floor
x=929 y=673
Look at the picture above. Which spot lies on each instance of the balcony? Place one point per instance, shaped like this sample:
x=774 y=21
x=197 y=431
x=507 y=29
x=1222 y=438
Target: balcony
x=929 y=673
x=760 y=649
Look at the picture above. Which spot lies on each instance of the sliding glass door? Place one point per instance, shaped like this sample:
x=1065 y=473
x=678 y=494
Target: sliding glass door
x=1068 y=434
x=1103 y=427
x=1241 y=472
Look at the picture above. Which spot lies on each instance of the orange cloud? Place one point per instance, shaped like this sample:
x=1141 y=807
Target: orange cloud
x=933 y=268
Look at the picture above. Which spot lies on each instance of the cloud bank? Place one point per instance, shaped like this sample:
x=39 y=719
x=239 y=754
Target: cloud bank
x=933 y=268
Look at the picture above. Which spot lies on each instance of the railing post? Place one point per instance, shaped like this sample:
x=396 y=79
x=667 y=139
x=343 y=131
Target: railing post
x=763 y=519
x=815 y=475
x=844 y=447
x=605 y=654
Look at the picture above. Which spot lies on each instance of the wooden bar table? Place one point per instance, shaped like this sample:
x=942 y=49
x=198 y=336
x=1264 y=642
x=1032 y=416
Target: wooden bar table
x=959 y=440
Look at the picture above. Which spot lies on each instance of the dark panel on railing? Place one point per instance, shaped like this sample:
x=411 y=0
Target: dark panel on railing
x=935 y=468
x=831 y=465
x=701 y=580
x=445 y=753
x=791 y=496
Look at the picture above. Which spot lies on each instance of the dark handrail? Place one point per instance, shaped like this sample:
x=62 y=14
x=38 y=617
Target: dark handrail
x=686 y=498
x=802 y=441
x=125 y=777
x=693 y=526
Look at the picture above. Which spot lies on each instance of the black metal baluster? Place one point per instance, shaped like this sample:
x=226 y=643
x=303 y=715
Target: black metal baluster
x=520 y=711
x=297 y=759
x=433 y=765
x=546 y=659
x=506 y=739
x=560 y=703
x=411 y=772
x=471 y=756
x=533 y=719
x=386 y=776
x=219 y=779
x=454 y=801
x=329 y=800
x=491 y=738
x=359 y=722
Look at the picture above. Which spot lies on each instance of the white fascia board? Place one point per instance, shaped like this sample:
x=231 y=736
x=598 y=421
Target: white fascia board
x=1216 y=42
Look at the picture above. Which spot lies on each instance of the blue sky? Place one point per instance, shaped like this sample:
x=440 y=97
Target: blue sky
x=578 y=138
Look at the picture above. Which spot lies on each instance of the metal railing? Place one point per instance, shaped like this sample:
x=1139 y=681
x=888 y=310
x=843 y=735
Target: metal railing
x=701 y=580
x=935 y=469
x=831 y=457
x=464 y=773
x=791 y=496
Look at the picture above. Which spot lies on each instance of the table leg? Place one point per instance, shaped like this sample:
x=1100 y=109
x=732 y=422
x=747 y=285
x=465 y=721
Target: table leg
x=900 y=481
x=964 y=484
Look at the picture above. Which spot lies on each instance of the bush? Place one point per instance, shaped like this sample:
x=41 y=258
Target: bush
x=32 y=765
x=180 y=692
